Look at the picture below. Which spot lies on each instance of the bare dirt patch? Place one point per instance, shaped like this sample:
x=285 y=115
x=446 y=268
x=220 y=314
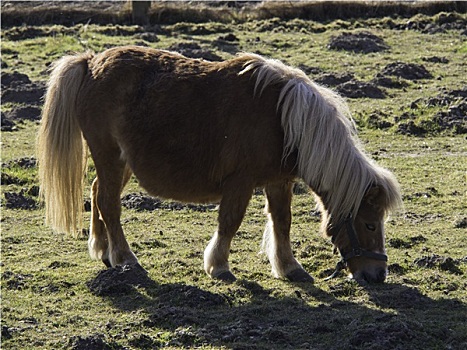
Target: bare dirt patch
x=142 y=202
x=119 y=280
x=409 y=71
x=361 y=42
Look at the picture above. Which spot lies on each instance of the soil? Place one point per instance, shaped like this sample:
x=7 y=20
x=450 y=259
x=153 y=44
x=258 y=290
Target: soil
x=360 y=89
x=92 y=342
x=409 y=71
x=334 y=79
x=193 y=50
x=142 y=202
x=454 y=117
x=361 y=42
x=17 y=88
x=406 y=243
x=119 y=280
x=18 y=200
x=444 y=263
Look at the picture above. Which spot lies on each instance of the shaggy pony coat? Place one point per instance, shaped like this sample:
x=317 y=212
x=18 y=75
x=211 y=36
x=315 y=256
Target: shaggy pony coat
x=199 y=131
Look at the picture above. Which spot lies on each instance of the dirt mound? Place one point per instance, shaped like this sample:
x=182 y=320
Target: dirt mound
x=388 y=82
x=193 y=50
x=18 y=88
x=141 y=202
x=22 y=113
x=92 y=342
x=334 y=79
x=409 y=71
x=119 y=280
x=444 y=263
x=461 y=223
x=18 y=200
x=406 y=243
x=360 y=89
x=361 y=42
x=453 y=118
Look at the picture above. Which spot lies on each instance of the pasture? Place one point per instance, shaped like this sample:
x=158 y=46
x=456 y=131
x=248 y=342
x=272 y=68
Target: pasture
x=404 y=79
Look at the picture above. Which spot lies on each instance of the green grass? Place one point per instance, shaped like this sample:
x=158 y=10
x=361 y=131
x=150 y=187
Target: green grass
x=46 y=303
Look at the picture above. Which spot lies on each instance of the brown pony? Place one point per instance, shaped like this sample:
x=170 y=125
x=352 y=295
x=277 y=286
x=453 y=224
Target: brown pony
x=199 y=131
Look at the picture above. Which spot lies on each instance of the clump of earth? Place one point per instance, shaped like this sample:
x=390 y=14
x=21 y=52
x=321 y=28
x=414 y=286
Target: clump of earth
x=360 y=42
x=119 y=280
x=442 y=262
x=19 y=89
x=453 y=117
x=409 y=71
x=194 y=50
x=142 y=202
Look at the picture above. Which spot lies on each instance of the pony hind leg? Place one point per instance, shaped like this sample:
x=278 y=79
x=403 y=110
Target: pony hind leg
x=276 y=238
x=235 y=199
x=112 y=174
x=98 y=242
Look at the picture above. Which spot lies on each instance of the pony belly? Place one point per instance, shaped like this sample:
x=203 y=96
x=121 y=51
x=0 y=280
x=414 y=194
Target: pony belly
x=183 y=191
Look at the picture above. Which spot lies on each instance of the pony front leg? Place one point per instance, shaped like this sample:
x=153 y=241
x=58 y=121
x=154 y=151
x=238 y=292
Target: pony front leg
x=231 y=212
x=276 y=238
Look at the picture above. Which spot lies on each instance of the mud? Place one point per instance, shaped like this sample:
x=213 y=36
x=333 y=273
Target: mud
x=360 y=42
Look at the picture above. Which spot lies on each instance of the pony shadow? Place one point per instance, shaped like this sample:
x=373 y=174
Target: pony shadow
x=244 y=317
x=249 y=316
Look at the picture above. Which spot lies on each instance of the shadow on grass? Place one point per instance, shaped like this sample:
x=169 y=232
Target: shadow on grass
x=249 y=316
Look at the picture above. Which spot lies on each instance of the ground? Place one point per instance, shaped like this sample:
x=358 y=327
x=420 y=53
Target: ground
x=404 y=79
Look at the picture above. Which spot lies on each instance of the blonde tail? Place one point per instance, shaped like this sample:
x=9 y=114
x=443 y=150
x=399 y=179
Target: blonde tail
x=61 y=151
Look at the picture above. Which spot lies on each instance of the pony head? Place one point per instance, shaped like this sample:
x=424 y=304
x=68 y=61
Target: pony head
x=360 y=239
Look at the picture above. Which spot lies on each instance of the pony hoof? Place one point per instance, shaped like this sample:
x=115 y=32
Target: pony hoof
x=226 y=276
x=299 y=275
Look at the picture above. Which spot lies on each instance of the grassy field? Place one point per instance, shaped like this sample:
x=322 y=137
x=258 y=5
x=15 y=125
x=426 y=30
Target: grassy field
x=418 y=130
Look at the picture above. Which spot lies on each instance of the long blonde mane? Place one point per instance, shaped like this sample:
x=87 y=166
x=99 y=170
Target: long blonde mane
x=317 y=123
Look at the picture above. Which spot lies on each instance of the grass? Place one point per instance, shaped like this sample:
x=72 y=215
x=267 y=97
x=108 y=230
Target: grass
x=46 y=303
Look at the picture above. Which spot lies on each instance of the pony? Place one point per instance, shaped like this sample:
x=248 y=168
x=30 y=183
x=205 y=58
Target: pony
x=198 y=131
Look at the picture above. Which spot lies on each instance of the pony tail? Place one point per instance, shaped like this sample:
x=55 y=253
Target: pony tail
x=61 y=152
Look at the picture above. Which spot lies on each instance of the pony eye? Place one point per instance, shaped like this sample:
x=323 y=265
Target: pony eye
x=371 y=227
